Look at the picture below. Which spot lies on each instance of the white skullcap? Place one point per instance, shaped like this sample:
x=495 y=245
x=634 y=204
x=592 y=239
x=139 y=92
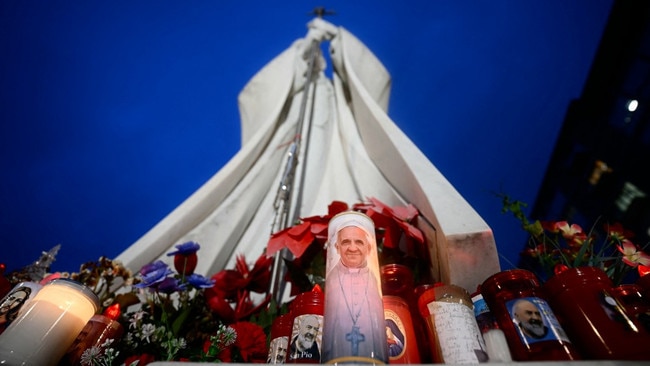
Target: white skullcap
x=350 y=218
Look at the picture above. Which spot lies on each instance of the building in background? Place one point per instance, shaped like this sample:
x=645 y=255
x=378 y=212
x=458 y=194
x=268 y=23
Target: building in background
x=599 y=167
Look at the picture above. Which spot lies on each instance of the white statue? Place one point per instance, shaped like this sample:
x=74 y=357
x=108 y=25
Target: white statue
x=348 y=150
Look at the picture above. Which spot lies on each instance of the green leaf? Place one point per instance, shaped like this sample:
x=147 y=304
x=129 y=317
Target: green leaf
x=180 y=320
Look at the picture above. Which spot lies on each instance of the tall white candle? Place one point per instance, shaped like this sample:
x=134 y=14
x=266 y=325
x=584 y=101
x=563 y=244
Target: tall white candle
x=49 y=325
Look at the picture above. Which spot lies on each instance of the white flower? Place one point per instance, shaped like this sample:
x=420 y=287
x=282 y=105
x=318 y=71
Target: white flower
x=107 y=343
x=147 y=331
x=135 y=319
x=90 y=355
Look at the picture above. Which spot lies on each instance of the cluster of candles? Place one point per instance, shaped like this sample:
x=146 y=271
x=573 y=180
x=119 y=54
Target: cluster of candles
x=581 y=316
x=56 y=324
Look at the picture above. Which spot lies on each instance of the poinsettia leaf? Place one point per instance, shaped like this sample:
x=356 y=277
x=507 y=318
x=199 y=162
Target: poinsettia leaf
x=318 y=226
x=260 y=275
x=411 y=231
x=336 y=207
x=241 y=266
x=380 y=219
x=277 y=242
x=297 y=231
x=405 y=213
x=297 y=247
x=295 y=238
x=221 y=308
x=227 y=282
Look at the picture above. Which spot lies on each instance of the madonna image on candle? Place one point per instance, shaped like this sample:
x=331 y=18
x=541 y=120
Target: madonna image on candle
x=354 y=324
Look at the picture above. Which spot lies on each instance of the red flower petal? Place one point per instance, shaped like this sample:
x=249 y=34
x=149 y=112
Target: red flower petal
x=260 y=275
x=144 y=359
x=559 y=268
x=296 y=238
x=251 y=342
x=336 y=207
x=227 y=282
x=643 y=270
x=221 y=307
x=185 y=264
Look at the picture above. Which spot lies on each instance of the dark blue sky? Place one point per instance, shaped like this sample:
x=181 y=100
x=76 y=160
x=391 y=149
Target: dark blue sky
x=112 y=113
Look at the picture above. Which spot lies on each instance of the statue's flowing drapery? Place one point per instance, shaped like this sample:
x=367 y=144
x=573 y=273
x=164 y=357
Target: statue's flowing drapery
x=350 y=150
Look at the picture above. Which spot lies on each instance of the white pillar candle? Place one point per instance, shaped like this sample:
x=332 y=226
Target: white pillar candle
x=48 y=325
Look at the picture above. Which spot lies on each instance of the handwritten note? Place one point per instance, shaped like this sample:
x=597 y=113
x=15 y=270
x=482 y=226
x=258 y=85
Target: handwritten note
x=458 y=334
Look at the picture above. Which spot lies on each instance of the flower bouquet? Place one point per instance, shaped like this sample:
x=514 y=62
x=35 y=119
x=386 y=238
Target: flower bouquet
x=555 y=246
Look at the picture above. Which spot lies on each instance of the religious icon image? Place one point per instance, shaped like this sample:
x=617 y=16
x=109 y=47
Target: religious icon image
x=305 y=340
x=354 y=328
x=12 y=303
x=529 y=319
x=395 y=338
x=278 y=349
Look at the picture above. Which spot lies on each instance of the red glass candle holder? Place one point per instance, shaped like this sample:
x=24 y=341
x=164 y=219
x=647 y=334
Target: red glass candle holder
x=518 y=303
x=594 y=317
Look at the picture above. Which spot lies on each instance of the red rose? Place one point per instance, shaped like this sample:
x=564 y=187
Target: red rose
x=185 y=264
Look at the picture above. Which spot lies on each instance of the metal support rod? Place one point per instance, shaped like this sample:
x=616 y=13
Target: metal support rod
x=286 y=190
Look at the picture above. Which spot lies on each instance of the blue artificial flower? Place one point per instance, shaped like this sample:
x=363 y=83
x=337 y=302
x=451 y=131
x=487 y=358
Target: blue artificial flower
x=170 y=285
x=151 y=267
x=185 y=248
x=199 y=281
x=153 y=273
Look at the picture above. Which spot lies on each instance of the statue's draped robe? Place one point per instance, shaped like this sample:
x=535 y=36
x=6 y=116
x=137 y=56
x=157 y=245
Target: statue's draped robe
x=351 y=151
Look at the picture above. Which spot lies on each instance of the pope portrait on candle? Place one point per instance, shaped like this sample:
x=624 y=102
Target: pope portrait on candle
x=354 y=327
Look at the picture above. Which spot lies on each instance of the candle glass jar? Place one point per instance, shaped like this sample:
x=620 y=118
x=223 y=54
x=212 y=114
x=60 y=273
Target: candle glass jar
x=594 y=317
x=13 y=302
x=400 y=334
x=397 y=280
x=48 y=324
x=99 y=329
x=636 y=304
x=279 y=343
x=519 y=305
x=397 y=285
x=307 y=324
x=453 y=332
x=354 y=325
x=420 y=323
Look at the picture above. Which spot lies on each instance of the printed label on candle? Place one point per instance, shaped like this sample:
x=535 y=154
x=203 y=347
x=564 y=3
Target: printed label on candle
x=395 y=334
x=278 y=348
x=306 y=338
x=457 y=332
x=534 y=320
x=11 y=304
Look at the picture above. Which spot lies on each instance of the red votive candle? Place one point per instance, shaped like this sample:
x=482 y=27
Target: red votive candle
x=532 y=329
x=306 y=336
x=280 y=334
x=594 y=316
x=99 y=329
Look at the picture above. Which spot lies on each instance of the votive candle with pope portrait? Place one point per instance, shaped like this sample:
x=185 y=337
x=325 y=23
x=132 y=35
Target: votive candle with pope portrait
x=354 y=324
